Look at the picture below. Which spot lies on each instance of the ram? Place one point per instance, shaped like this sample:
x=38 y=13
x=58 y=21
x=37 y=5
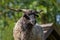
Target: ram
x=26 y=27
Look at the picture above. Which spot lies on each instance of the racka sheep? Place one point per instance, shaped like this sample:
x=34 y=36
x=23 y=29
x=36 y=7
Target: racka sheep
x=26 y=28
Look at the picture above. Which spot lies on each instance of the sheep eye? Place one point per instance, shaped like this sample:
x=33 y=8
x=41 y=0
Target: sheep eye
x=30 y=14
x=26 y=17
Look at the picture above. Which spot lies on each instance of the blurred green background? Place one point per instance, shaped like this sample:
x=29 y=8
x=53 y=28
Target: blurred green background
x=8 y=18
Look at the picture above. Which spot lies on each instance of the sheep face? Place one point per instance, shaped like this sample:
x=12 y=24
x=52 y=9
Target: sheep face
x=31 y=16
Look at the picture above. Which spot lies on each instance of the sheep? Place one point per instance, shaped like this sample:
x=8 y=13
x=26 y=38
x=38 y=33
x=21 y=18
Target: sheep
x=26 y=27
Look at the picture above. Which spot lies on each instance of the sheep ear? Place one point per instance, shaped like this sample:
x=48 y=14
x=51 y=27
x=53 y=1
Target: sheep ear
x=37 y=16
x=26 y=17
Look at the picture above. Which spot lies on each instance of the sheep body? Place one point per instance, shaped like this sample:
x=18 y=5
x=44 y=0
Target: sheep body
x=35 y=34
x=26 y=27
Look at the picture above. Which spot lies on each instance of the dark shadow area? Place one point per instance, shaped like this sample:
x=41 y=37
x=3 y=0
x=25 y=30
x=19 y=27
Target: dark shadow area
x=53 y=36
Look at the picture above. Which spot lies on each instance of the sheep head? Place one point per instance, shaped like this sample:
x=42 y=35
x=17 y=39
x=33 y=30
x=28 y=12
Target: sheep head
x=30 y=15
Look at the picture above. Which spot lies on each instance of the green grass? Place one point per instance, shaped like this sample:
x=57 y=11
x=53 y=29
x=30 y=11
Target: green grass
x=6 y=32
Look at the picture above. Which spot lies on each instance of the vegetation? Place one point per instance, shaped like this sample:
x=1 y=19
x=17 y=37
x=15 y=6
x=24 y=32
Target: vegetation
x=8 y=17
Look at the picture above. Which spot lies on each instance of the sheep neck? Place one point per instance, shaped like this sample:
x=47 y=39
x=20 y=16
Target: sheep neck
x=27 y=26
x=27 y=30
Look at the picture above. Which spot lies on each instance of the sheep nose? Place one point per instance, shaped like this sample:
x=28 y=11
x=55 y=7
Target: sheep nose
x=33 y=22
